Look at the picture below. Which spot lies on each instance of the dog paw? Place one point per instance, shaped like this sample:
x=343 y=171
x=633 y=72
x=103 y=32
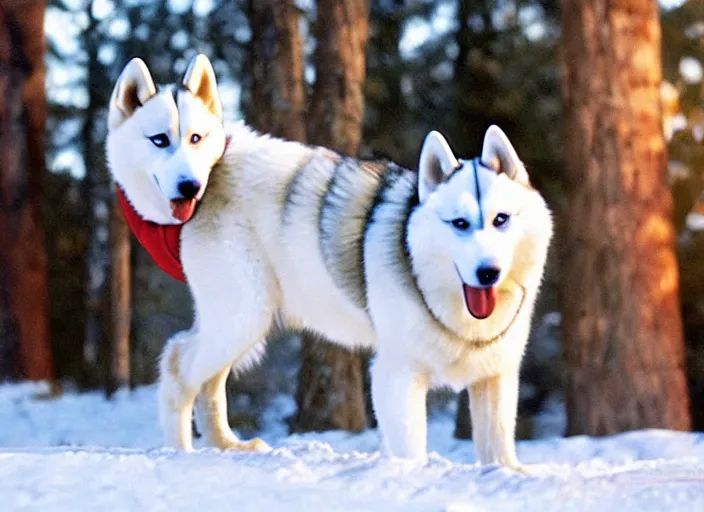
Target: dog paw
x=255 y=445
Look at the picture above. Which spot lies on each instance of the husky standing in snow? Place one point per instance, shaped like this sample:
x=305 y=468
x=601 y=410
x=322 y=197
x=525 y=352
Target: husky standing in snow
x=438 y=270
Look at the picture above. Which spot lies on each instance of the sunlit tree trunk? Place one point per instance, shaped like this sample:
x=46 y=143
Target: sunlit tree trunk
x=120 y=301
x=621 y=326
x=25 y=346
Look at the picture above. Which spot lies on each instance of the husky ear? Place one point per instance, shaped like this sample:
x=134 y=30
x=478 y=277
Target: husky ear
x=436 y=163
x=132 y=90
x=498 y=154
x=200 y=80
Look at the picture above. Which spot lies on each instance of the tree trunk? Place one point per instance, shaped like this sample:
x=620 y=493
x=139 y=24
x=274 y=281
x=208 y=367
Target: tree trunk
x=97 y=191
x=24 y=301
x=120 y=301
x=463 y=421
x=330 y=387
x=337 y=107
x=621 y=323
x=276 y=65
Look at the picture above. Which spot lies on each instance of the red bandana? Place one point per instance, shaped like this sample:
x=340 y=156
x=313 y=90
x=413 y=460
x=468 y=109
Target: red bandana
x=162 y=242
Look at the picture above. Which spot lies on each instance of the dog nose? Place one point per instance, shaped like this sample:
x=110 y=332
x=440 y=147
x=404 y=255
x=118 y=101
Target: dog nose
x=487 y=275
x=189 y=188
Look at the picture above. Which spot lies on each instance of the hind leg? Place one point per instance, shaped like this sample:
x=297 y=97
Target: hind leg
x=175 y=396
x=211 y=416
x=234 y=311
x=198 y=362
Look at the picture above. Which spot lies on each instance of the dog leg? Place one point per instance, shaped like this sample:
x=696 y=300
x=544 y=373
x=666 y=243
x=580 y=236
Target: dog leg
x=493 y=406
x=234 y=310
x=224 y=337
x=399 y=395
x=211 y=416
x=175 y=396
x=211 y=411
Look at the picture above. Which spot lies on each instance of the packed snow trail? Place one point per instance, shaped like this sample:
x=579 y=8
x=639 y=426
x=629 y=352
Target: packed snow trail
x=82 y=453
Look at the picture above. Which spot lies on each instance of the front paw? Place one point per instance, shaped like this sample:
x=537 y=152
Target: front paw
x=256 y=445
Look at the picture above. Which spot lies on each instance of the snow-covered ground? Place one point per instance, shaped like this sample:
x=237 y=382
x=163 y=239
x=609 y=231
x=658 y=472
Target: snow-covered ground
x=81 y=452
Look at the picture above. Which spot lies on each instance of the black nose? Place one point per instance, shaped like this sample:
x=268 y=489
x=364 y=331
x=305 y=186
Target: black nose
x=189 y=188
x=487 y=275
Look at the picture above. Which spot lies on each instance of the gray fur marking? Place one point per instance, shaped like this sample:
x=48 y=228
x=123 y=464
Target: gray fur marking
x=479 y=194
x=307 y=186
x=402 y=254
x=350 y=195
x=393 y=206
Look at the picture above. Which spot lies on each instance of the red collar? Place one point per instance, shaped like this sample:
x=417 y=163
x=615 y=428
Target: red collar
x=162 y=242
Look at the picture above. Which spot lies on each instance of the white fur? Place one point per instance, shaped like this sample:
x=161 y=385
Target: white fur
x=245 y=266
x=152 y=174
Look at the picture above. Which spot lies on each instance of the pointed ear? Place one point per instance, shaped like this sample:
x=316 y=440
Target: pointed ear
x=200 y=80
x=498 y=154
x=132 y=90
x=436 y=164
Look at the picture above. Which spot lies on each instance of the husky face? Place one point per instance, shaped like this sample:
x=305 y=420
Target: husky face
x=162 y=145
x=474 y=215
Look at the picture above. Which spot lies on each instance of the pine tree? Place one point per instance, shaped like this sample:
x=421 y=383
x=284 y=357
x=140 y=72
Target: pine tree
x=621 y=323
x=24 y=302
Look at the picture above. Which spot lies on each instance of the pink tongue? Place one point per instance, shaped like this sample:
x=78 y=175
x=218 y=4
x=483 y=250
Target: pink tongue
x=182 y=209
x=480 y=301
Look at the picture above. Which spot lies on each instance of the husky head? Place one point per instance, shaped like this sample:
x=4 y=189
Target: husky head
x=163 y=143
x=484 y=229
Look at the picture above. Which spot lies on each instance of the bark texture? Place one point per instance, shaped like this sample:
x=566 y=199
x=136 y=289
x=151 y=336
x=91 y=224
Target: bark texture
x=25 y=346
x=621 y=322
x=276 y=64
x=337 y=107
x=330 y=388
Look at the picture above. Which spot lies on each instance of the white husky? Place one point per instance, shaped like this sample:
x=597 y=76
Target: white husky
x=438 y=269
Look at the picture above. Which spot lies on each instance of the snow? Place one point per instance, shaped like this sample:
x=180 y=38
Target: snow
x=81 y=452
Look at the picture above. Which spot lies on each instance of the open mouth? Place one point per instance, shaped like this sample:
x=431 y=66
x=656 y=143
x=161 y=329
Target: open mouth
x=183 y=209
x=480 y=302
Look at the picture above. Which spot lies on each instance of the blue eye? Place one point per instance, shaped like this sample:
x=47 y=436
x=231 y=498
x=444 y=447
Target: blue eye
x=460 y=223
x=160 y=140
x=501 y=219
x=195 y=138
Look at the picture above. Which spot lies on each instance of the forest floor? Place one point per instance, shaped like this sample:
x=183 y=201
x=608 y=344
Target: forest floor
x=81 y=452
